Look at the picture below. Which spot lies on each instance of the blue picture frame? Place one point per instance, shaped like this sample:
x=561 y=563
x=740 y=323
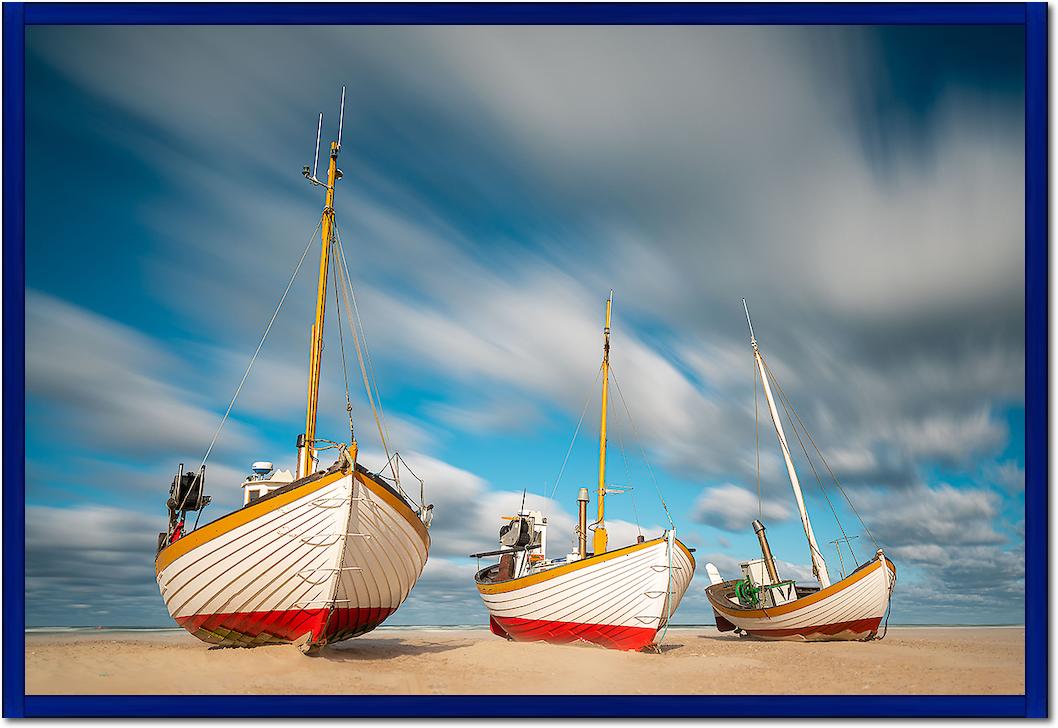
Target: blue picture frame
x=1033 y=16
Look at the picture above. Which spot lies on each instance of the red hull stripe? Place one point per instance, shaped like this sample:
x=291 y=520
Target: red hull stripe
x=857 y=626
x=605 y=635
x=722 y=624
x=496 y=629
x=280 y=626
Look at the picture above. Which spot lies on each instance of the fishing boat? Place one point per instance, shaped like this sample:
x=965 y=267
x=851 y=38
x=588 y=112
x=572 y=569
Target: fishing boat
x=764 y=605
x=620 y=598
x=312 y=557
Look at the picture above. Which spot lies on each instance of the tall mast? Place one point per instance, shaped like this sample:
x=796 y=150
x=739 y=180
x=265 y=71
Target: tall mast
x=306 y=443
x=600 y=538
x=819 y=566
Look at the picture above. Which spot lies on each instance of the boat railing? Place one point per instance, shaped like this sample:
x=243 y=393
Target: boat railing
x=421 y=508
x=394 y=465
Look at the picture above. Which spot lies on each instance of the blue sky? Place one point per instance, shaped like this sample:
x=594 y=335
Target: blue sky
x=862 y=187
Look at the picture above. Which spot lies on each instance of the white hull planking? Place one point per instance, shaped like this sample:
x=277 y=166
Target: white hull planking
x=340 y=545
x=627 y=591
x=849 y=609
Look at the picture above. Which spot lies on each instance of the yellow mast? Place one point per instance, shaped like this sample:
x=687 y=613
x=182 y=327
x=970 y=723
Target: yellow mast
x=599 y=540
x=306 y=444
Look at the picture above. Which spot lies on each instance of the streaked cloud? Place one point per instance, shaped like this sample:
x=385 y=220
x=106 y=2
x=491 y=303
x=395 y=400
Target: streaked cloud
x=731 y=508
x=498 y=183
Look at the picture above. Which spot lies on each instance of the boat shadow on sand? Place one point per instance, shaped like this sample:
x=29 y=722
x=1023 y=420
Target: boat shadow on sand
x=385 y=649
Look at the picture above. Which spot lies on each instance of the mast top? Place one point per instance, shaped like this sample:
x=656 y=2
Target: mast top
x=341 y=119
x=752 y=338
x=336 y=146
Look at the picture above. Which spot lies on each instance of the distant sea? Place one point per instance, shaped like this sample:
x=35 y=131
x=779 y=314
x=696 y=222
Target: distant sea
x=431 y=628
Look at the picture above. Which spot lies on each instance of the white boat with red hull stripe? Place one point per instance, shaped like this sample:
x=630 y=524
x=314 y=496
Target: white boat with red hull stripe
x=324 y=559
x=622 y=598
x=310 y=559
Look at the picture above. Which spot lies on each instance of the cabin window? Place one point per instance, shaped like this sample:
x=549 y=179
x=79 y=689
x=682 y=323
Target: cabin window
x=254 y=495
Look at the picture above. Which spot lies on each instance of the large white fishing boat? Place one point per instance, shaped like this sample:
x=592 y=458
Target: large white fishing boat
x=313 y=557
x=762 y=604
x=619 y=598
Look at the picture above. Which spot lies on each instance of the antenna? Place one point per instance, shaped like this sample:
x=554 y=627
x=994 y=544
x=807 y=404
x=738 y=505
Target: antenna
x=341 y=118
x=315 y=162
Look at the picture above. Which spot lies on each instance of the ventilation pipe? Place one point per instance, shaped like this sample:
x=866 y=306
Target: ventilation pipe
x=582 y=528
x=765 y=549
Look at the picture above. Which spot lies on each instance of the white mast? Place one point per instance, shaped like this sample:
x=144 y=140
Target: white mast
x=819 y=566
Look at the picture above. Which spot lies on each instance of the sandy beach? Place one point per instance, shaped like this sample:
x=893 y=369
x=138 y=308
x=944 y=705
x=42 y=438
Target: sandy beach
x=694 y=660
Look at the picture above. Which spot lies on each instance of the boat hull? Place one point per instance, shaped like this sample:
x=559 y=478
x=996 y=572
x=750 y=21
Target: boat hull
x=325 y=559
x=615 y=600
x=851 y=609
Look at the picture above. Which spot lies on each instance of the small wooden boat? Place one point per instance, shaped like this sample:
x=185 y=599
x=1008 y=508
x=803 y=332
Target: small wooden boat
x=614 y=599
x=618 y=598
x=763 y=605
x=312 y=558
x=322 y=559
x=850 y=609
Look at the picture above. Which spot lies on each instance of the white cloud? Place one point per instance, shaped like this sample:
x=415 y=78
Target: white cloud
x=732 y=508
x=888 y=293
x=924 y=515
x=99 y=556
x=1008 y=475
x=801 y=573
x=951 y=439
x=113 y=385
x=488 y=417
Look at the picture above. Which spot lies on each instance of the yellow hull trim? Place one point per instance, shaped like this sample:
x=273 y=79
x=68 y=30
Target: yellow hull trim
x=808 y=600
x=233 y=520
x=244 y=515
x=398 y=505
x=530 y=579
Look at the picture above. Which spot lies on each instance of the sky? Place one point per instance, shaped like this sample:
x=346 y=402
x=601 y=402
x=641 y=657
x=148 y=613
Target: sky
x=862 y=187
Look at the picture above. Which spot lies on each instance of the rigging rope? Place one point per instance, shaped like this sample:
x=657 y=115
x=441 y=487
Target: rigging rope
x=635 y=514
x=373 y=377
x=346 y=295
x=639 y=442
x=341 y=343
x=260 y=344
x=574 y=439
x=363 y=332
x=822 y=459
x=838 y=484
x=628 y=478
x=777 y=424
x=786 y=408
